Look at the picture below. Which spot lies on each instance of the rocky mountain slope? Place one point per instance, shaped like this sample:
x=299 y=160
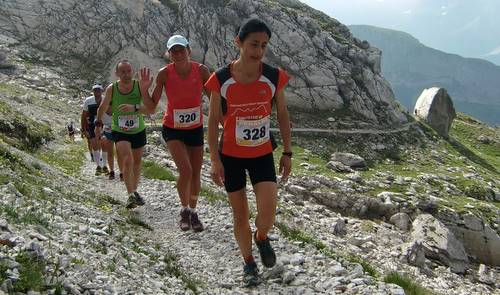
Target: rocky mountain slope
x=332 y=72
x=414 y=213
x=411 y=67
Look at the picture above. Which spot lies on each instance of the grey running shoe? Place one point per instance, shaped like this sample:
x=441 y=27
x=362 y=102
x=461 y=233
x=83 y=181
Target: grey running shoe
x=185 y=222
x=266 y=251
x=98 y=170
x=131 y=202
x=111 y=175
x=251 y=275
x=196 y=223
x=105 y=170
x=138 y=199
x=134 y=200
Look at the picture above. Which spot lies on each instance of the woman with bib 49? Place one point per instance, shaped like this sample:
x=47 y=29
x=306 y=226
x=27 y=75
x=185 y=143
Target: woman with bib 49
x=242 y=95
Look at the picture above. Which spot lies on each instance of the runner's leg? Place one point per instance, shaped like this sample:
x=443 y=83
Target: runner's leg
x=195 y=154
x=241 y=225
x=124 y=149
x=180 y=155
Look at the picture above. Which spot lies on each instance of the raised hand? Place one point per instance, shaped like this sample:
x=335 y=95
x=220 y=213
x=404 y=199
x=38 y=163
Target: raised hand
x=145 y=79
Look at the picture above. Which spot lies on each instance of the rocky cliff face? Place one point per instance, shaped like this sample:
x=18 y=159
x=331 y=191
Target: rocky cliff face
x=332 y=71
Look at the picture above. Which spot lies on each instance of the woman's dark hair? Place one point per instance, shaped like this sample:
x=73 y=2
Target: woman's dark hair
x=253 y=25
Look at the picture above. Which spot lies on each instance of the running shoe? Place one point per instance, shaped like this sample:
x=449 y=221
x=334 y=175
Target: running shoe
x=121 y=176
x=111 y=175
x=131 y=202
x=185 y=222
x=98 y=170
x=134 y=200
x=138 y=199
x=251 y=275
x=105 y=170
x=196 y=223
x=267 y=254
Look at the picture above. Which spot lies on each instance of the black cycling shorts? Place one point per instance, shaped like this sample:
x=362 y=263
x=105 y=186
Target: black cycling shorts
x=190 y=137
x=137 y=140
x=260 y=169
x=91 y=130
x=108 y=135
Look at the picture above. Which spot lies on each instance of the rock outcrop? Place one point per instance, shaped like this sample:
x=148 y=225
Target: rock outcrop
x=435 y=107
x=332 y=71
x=439 y=242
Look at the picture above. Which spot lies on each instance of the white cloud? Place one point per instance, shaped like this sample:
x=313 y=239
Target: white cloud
x=409 y=11
x=495 y=51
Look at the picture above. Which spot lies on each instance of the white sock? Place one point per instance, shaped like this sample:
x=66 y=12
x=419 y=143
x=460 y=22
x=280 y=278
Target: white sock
x=104 y=159
x=193 y=210
x=97 y=157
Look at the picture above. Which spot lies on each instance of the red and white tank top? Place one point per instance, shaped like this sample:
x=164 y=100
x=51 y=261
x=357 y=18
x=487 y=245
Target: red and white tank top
x=247 y=110
x=183 y=110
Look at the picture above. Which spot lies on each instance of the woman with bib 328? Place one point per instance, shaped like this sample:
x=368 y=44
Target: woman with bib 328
x=183 y=81
x=242 y=94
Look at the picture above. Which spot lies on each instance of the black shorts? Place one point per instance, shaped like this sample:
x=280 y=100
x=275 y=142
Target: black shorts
x=137 y=140
x=260 y=169
x=91 y=131
x=108 y=135
x=190 y=137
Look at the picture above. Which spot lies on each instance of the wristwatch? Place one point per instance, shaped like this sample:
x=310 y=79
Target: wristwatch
x=136 y=107
x=288 y=154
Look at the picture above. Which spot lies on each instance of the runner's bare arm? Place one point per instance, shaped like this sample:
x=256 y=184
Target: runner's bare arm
x=161 y=78
x=83 y=120
x=205 y=74
x=214 y=117
x=286 y=134
x=105 y=102
x=145 y=81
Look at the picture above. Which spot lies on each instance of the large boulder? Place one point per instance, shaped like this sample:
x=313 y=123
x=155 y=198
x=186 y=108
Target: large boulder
x=480 y=240
x=435 y=107
x=440 y=243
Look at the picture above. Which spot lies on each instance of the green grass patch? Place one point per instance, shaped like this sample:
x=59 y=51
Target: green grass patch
x=70 y=159
x=212 y=195
x=21 y=131
x=31 y=277
x=410 y=287
x=173 y=268
x=153 y=170
x=19 y=216
x=464 y=135
x=134 y=220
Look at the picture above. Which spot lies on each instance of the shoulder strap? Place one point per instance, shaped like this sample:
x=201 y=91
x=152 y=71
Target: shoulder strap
x=272 y=74
x=223 y=74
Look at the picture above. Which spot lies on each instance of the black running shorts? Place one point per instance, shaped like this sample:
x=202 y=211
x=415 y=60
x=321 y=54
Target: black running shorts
x=260 y=169
x=91 y=130
x=137 y=140
x=190 y=137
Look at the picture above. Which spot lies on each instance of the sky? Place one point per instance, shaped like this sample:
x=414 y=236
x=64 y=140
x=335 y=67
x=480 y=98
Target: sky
x=470 y=28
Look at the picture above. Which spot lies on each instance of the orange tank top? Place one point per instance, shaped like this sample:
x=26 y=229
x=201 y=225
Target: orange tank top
x=183 y=110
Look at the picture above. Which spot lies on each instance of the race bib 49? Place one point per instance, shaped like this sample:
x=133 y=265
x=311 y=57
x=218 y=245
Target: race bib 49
x=128 y=122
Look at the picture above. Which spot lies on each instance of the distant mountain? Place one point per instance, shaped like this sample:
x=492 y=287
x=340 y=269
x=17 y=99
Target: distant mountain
x=411 y=66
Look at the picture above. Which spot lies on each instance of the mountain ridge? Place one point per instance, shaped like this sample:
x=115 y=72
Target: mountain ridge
x=410 y=67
